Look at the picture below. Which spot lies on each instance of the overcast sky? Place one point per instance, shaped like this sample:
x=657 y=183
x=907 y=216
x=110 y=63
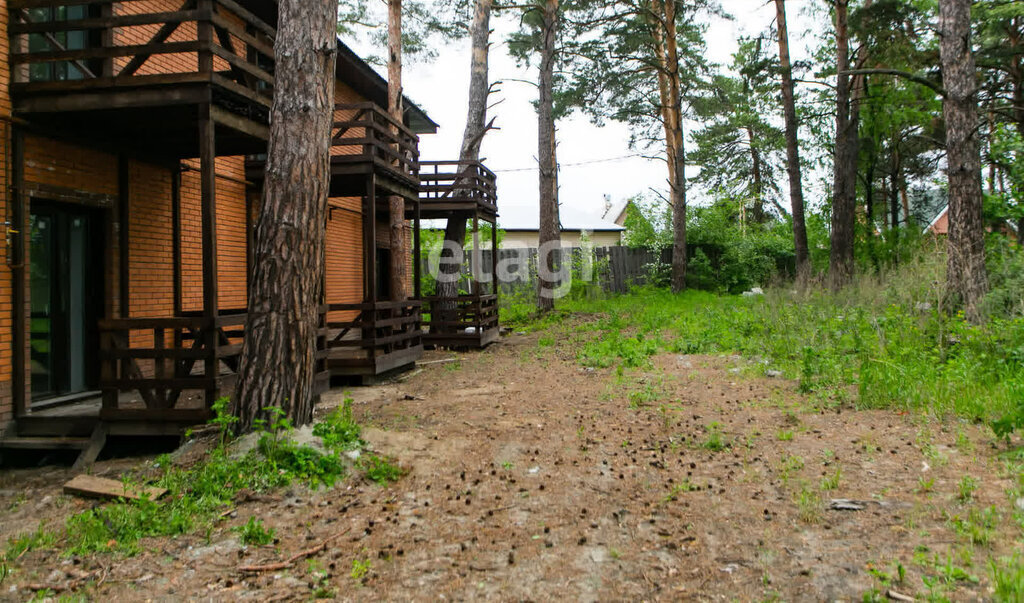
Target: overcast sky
x=593 y=160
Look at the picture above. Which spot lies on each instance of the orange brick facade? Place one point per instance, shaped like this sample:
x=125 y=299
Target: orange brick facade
x=78 y=169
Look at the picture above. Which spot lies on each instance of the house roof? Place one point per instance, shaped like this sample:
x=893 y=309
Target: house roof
x=527 y=218
x=358 y=74
x=615 y=211
x=937 y=217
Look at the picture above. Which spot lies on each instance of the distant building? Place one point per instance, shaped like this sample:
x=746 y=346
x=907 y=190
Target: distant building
x=520 y=226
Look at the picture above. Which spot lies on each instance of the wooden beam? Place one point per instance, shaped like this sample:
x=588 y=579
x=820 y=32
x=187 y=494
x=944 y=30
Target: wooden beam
x=176 y=242
x=124 y=234
x=101 y=487
x=208 y=188
x=239 y=123
x=159 y=38
x=97 y=441
x=19 y=283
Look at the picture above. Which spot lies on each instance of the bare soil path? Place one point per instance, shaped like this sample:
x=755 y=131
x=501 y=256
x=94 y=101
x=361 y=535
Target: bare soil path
x=531 y=478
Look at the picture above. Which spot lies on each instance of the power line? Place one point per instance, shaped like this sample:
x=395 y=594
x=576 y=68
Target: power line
x=575 y=164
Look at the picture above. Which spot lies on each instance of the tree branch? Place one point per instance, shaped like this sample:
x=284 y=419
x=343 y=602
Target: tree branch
x=917 y=79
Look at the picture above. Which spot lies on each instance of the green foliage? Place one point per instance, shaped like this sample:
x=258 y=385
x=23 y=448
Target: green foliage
x=339 y=430
x=715 y=440
x=1007 y=576
x=254 y=533
x=648 y=224
x=379 y=469
x=19 y=545
x=876 y=336
x=198 y=495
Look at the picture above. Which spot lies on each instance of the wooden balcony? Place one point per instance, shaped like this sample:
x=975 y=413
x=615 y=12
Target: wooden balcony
x=383 y=336
x=121 y=71
x=468 y=321
x=370 y=153
x=448 y=188
x=178 y=365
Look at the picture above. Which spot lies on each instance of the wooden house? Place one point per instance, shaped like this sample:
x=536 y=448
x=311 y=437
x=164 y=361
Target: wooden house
x=132 y=142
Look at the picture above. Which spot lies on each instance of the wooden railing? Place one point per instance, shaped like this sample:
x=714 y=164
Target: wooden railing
x=86 y=44
x=474 y=321
x=365 y=132
x=163 y=358
x=382 y=336
x=457 y=184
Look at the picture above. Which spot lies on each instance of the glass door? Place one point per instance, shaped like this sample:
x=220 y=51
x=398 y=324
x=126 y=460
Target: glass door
x=65 y=289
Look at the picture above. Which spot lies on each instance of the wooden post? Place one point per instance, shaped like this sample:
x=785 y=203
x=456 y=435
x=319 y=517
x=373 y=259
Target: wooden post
x=107 y=40
x=208 y=186
x=204 y=30
x=176 y=237
x=475 y=273
x=123 y=232
x=494 y=257
x=416 y=268
x=369 y=315
x=20 y=222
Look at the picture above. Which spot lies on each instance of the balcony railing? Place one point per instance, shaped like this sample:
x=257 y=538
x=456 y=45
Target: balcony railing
x=382 y=336
x=447 y=186
x=465 y=321
x=172 y=365
x=69 y=45
x=365 y=133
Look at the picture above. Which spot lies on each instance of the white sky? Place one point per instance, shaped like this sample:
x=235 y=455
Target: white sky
x=440 y=87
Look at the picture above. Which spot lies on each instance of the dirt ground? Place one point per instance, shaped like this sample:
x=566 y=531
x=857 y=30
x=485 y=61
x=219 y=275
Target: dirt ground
x=532 y=478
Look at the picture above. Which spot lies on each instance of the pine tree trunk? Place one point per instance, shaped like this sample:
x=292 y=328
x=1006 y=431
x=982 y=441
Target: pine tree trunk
x=663 y=29
x=796 y=194
x=844 y=169
x=549 y=231
x=399 y=266
x=966 y=243
x=472 y=138
x=277 y=366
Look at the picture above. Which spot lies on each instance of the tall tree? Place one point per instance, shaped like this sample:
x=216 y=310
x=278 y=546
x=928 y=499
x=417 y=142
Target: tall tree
x=844 y=168
x=399 y=257
x=472 y=137
x=279 y=351
x=966 y=247
x=639 y=62
x=737 y=148
x=796 y=193
x=550 y=232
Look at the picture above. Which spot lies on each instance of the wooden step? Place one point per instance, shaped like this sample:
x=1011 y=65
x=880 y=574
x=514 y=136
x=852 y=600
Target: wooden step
x=44 y=443
x=56 y=426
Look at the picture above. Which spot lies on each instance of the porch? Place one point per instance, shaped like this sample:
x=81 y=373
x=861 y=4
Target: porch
x=463 y=190
x=383 y=336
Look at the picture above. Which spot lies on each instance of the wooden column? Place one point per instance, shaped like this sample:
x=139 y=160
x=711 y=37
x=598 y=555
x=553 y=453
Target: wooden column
x=417 y=293
x=476 y=272
x=176 y=236
x=19 y=281
x=123 y=232
x=494 y=257
x=370 y=256
x=204 y=31
x=208 y=187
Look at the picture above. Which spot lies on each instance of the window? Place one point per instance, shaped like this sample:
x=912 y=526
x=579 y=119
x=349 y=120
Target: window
x=58 y=40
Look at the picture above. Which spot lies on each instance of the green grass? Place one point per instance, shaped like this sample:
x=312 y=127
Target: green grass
x=254 y=533
x=872 y=340
x=198 y=495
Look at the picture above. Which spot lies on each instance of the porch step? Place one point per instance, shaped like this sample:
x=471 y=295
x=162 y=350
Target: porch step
x=44 y=443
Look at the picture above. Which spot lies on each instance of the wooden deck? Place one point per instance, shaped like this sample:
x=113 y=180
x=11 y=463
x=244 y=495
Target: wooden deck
x=384 y=336
x=368 y=149
x=474 y=325
x=448 y=188
x=130 y=93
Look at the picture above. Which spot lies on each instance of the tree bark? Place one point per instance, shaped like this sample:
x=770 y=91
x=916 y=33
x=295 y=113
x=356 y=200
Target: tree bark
x=472 y=138
x=663 y=26
x=796 y=194
x=399 y=266
x=844 y=168
x=278 y=366
x=965 y=271
x=549 y=232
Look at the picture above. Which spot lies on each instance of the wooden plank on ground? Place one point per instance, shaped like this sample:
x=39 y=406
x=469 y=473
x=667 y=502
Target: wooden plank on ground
x=101 y=487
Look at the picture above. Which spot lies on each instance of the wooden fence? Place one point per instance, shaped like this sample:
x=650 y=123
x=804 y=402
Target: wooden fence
x=608 y=269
